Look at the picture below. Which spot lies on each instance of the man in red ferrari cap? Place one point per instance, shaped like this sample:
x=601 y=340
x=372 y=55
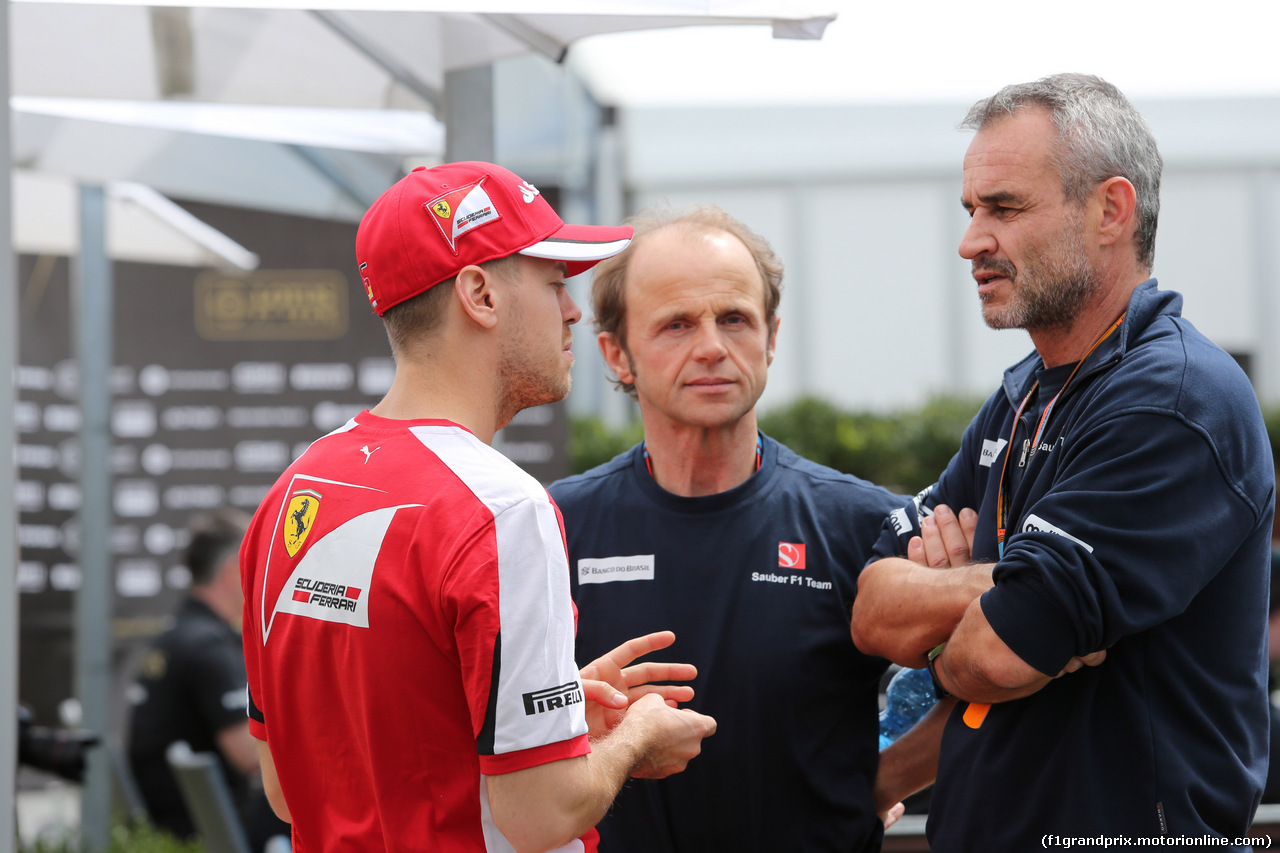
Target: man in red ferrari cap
x=408 y=625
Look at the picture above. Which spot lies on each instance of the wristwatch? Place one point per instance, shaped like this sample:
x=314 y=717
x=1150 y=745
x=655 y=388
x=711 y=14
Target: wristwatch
x=938 y=690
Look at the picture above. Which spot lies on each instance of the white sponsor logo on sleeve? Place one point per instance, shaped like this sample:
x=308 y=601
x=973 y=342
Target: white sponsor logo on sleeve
x=901 y=521
x=1036 y=523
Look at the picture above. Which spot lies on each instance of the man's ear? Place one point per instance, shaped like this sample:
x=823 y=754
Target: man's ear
x=1119 y=203
x=773 y=340
x=616 y=357
x=474 y=289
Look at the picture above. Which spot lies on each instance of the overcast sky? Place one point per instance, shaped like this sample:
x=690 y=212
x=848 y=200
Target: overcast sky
x=946 y=50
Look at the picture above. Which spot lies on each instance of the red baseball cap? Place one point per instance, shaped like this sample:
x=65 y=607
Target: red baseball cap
x=434 y=222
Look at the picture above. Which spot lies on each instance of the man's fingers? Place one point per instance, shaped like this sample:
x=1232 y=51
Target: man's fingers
x=915 y=551
x=674 y=694
x=643 y=673
x=603 y=693
x=1087 y=660
x=945 y=539
x=969 y=524
x=639 y=647
x=708 y=724
x=935 y=551
x=957 y=545
x=609 y=666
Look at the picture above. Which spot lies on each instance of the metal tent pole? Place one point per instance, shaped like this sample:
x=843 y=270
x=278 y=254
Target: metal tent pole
x=8 y=506
x=469 y=130
x=92 y=318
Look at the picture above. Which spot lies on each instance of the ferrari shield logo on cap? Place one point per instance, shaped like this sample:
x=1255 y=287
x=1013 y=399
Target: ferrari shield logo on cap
x=462 y=210
x=300 y=517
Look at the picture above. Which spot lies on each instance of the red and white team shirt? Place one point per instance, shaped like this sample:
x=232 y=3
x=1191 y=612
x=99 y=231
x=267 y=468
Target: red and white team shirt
x=408 y=627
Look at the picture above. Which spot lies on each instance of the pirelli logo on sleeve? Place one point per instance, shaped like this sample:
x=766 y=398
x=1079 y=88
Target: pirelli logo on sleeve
x=552 y=698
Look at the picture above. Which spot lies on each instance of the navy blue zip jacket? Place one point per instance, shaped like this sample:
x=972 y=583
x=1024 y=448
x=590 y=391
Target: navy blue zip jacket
x=1142 y=526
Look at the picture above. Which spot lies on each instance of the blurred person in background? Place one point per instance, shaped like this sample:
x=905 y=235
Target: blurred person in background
x=747 y=551
x=191 y=687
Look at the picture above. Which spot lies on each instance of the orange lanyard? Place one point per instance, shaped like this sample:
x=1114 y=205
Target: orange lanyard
x=1001 y=501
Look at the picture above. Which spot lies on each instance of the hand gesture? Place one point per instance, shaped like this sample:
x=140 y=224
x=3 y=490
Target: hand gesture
x=672 y=737
x=611 y=683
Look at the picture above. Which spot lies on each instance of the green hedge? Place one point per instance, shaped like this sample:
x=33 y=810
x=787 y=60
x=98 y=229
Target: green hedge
x=591 y=443
x=140 y=838
x=1272 y=418
x=904 y=451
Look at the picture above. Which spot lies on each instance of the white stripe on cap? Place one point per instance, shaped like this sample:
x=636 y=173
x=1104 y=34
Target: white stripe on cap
x=575 y=250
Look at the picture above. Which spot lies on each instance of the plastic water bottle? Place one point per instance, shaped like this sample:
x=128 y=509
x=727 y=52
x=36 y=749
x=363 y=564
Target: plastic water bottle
x=909 y=697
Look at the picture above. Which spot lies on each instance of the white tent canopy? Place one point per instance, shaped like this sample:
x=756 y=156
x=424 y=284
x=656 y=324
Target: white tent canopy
x=311 y=161
x=372 y=131
x=307 y=108
x=292 y=53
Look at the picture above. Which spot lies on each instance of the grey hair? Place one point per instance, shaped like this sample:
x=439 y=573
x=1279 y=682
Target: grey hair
x=1100 y=136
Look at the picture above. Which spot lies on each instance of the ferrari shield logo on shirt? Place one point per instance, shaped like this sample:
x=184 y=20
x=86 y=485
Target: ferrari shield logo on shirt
x=462 y=210
x=300 y=516
x=332 y=578
x=331 y=582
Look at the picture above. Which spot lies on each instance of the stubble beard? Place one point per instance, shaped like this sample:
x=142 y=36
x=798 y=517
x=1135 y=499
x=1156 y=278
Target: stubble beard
x=525 y=386
x=1051 y=289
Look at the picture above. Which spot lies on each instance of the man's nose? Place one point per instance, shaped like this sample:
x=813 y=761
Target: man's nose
x=977 y=238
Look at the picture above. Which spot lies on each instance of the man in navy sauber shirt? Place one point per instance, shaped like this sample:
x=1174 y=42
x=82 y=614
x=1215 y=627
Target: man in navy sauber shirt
x=1124 y=490
x=748 y=552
